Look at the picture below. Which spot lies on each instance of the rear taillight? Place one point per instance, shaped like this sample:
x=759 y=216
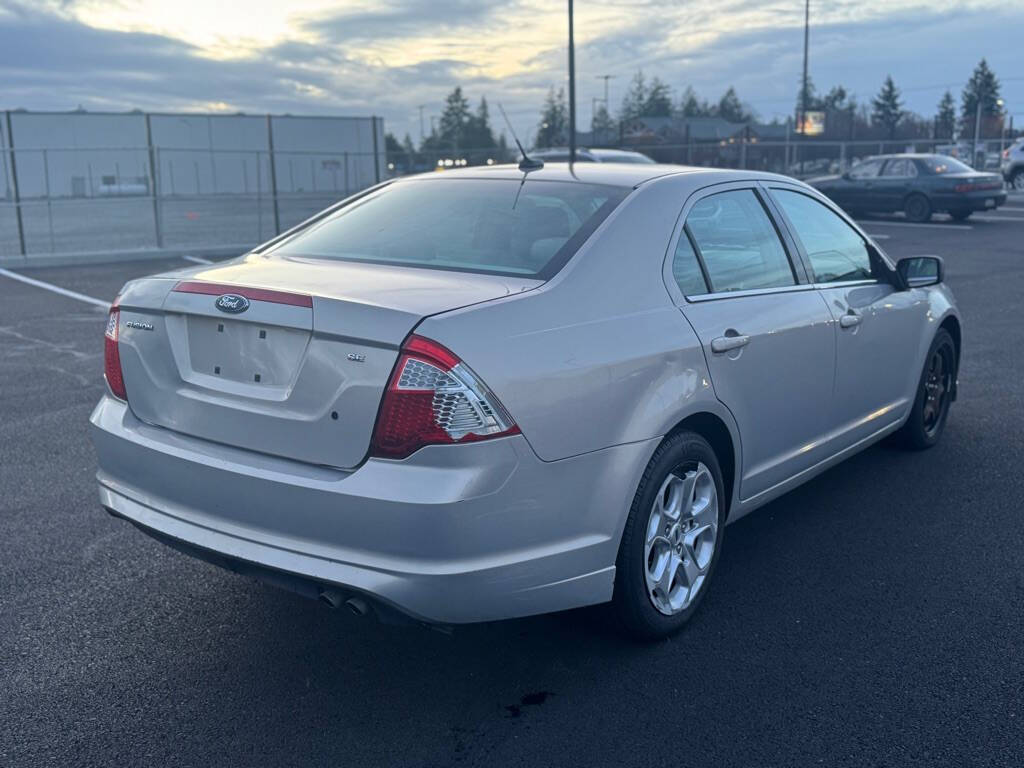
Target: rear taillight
x=111 y=356
x=434 y=398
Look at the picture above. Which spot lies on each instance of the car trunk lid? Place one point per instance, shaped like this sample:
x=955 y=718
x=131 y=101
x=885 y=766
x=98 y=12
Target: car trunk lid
x=285 y=358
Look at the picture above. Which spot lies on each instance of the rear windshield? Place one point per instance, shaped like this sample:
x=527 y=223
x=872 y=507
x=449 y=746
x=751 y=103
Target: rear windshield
x=941 y=164
x=500 y=226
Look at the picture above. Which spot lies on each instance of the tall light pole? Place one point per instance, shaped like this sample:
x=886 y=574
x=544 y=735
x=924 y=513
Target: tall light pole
x=606 y=78
x=572 y=91
x=802 y=123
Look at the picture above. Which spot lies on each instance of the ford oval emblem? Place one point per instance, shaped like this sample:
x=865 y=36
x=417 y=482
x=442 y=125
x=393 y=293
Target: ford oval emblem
x=232 y=302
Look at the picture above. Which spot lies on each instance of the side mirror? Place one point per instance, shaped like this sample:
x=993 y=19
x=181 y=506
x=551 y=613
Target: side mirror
x=919 y=271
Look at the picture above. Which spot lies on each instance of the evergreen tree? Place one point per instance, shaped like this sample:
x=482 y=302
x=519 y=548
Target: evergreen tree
x=391 y=144
x=945 y=118
x=657 y=100
x=812 y=98
x=691 y=106
x=835 y=99
x=983 y=85
x=730 y=108
x=887 y=108
x=479 y=131
x=602 y=127
x=455 y=119
x=553 y=129
x=635 y=100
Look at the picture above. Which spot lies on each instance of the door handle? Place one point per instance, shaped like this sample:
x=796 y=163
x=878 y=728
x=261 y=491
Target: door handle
x=727 y=343
x=850 y=320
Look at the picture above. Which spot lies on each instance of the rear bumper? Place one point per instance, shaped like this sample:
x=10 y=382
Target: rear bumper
x=453 y=534
x=970 y=201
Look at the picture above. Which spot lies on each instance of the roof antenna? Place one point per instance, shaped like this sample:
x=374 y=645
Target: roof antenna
x=527 y=164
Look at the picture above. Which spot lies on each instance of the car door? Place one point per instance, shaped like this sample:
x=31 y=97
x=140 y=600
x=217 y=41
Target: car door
x=893 y=184
x=766 y=334
x=877 y=327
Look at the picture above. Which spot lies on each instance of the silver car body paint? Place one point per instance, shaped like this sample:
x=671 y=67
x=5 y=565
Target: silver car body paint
x=596 y=365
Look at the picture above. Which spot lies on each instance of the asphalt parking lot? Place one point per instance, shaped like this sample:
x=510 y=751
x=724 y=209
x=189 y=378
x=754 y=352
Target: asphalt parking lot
x=873 y=617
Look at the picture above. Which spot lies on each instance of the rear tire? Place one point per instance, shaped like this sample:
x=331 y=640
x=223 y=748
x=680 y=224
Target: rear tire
x=917 y=208
x=1017 y=180
x=928 y=417
x=960 y=215
x=666 y=559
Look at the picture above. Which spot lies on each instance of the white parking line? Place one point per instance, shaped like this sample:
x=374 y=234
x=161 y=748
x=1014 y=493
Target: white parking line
x=998 y=218
x=874 y=223
x=197 y=259
x=55 y=289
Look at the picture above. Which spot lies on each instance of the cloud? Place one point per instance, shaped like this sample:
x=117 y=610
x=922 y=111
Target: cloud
x=386 y=58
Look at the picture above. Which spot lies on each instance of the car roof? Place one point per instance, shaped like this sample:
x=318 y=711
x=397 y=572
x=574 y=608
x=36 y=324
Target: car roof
x=911 y=155
x=614 y=174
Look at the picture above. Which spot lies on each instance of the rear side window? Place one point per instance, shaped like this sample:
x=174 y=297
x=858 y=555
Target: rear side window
x=941 y=165
x=503 y=226
x=738 y=243
x=686 y=268
x=836 y=251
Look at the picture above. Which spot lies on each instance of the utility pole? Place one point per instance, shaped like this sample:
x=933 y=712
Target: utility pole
x=606 y=78
x=420 y=108
x=572 y=91
x=802 y=124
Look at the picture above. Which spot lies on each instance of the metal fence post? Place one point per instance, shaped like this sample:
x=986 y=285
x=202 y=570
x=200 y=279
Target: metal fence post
x=273 y=177
x=376 y=157
x=49 y=200
x=155 y=187
x=259 y=199
x=14 y=183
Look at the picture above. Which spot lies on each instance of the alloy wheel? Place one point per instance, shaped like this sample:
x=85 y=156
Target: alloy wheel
x=682 y=532
x=937 y=386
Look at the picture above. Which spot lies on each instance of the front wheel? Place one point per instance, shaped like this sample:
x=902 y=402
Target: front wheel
x=672 y=538
x=917 y=208
x=934 y=394
x=1017 y=180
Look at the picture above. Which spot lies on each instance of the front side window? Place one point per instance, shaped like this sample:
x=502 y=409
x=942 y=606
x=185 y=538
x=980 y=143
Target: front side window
x=866 y=170
x=835 y=250
x=738 y=243
x=501 y=226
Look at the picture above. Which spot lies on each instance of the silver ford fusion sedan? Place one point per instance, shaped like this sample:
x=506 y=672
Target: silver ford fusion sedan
x=492 y=393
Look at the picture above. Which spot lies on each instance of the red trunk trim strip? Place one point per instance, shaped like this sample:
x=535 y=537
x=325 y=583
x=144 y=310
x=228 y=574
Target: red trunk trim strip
x=254 y=294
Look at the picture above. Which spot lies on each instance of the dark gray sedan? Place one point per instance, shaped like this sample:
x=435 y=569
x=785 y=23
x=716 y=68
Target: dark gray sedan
x=917 y=184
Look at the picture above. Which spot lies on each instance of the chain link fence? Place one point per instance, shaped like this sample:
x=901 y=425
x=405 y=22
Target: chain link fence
x=75 y=186
x=800 y=159
x=87 y=185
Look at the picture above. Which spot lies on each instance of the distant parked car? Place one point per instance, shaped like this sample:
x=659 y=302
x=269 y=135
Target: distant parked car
x=917 y=184
x=816 y=166
x=1013 y=165
x=583 y=155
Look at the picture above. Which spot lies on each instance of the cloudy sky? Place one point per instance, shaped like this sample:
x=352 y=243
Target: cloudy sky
x=386 y=57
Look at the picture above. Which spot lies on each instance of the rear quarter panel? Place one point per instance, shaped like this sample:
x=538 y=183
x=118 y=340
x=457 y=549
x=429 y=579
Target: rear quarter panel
x=599 y=356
